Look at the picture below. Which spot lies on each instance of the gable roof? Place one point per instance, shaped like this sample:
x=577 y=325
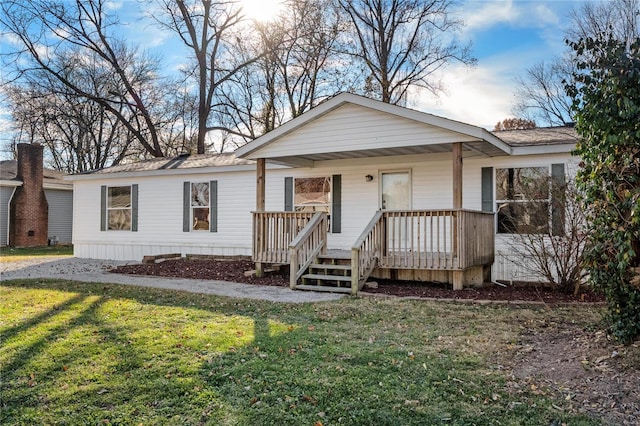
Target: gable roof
x=474 y=138
x=51 y=178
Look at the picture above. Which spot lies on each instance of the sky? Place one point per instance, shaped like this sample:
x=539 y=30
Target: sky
x=507 y=36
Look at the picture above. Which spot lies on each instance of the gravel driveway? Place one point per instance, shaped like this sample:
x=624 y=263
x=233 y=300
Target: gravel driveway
x=90 y=270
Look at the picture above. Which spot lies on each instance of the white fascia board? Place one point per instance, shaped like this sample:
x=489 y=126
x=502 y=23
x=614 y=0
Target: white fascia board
x=543 y=149
x=12 y=183
x=62 y=186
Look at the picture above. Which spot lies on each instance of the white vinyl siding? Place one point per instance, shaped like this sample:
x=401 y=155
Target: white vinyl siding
x=354 y=128
x=160 y=218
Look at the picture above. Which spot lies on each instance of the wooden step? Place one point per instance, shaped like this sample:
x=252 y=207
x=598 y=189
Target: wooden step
x=324 y=288
x=327 y=267
x=331 y=260
x=336 y=255
x=326 y=277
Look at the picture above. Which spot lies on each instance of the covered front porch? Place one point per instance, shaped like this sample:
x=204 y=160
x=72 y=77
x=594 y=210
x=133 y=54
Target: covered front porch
x=456 y=241
x=398 y=238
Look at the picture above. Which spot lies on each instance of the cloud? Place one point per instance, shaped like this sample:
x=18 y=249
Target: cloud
x=481 y=15
x=484 y=15
x=481 y=96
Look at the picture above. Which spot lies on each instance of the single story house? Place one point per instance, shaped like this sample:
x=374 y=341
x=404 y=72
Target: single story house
x=353 y=188
x=35 y=202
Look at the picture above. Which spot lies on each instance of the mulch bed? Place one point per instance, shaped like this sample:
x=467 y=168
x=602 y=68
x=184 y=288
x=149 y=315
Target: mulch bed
x=233 y=270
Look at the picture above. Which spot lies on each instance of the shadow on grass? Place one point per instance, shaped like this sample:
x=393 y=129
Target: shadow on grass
x=125 y=355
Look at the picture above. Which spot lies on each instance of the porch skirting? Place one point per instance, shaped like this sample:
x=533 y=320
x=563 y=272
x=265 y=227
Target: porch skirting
x=473 y=277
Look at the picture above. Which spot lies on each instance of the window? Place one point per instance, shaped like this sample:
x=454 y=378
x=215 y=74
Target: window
x=200 y=217
x=119 y=208
x=312 y=195
x=523 y=200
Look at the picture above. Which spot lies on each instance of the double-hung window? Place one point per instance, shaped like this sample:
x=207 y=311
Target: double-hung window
x=315 y=194
x=119 y=208
x=523 y=197
x=200 y=203
x=312 y=194
x=200 y=206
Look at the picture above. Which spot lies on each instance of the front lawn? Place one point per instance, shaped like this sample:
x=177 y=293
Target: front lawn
x=12 y=254
x=77 y=353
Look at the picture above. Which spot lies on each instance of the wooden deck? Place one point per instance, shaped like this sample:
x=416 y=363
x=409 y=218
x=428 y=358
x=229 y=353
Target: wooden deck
x=436 y=240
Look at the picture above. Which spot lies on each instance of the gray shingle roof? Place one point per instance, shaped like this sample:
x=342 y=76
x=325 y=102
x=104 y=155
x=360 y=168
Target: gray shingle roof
x=180 y=162
x=9 y=170
x=539 y=136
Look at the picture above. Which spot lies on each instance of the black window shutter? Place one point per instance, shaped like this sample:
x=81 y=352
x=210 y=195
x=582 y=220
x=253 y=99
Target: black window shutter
x=134 y=208
x=288 y=194
x=557 y=199
x=336 y=201
x=103 y=208
x=487 y=189
x=213 y=206
x=186 y=207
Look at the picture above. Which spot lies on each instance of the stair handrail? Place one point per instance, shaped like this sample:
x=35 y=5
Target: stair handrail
x=306 y=246
x=365 y=252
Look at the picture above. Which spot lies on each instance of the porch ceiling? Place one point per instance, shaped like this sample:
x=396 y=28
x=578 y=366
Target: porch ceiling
x=475 y=148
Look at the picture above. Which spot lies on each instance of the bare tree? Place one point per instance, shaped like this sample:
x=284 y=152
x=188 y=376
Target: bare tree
x=49 y=30
x=78 y=134
x=212 y=30
x=401 y=43
x=619 y=18
x=307 y=58
x=540 y=94
x=300 y=66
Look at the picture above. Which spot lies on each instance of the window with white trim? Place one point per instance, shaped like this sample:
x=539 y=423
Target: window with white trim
x=119 y=208
x=523 y=199
x=200 y=214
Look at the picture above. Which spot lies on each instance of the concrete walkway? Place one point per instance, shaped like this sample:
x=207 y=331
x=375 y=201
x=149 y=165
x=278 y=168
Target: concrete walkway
x=89 y=270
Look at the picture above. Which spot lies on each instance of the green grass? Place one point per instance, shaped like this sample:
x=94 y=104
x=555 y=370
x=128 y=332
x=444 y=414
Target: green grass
x=80 y=353
x=12 y=254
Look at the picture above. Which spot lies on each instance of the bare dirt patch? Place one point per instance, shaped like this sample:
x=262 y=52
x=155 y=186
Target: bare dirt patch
x=581 y=367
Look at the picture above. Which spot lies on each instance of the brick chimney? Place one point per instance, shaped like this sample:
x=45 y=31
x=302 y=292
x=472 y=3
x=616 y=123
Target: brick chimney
x=29 y=217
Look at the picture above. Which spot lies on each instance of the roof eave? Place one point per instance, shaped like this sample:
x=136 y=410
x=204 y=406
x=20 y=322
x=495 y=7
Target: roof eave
x=560 y=148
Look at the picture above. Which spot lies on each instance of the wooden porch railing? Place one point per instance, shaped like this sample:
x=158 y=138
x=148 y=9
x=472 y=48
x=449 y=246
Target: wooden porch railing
x=436 y=239
x=307 y=245
x=366 y=251
x=477 y=238
x=273 y=232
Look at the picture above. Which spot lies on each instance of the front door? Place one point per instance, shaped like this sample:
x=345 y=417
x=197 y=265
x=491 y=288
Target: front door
x=395 y=190
x=395 y=193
